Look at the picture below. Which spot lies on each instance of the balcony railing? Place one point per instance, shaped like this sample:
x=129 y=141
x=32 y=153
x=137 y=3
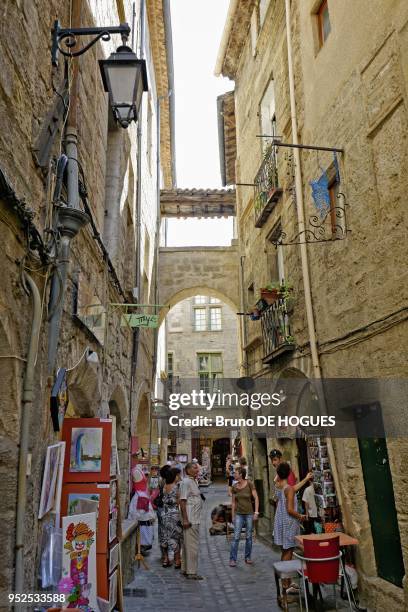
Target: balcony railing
x=277 y=337
x=267 y=190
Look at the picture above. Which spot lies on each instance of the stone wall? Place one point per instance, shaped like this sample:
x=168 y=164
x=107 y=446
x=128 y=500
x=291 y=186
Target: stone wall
x=188 y=271
x=26 y=98
x=352 y=94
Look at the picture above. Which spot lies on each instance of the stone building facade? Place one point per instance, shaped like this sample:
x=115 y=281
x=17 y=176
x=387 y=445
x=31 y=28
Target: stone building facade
x=120 y=237
x=350 y=92
x=202 y=347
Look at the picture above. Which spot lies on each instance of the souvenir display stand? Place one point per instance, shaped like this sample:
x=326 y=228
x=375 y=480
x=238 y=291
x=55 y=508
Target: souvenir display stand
x=325 y=492
x=91 y=484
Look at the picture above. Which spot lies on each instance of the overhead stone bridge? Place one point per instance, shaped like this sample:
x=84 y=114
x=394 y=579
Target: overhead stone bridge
x=188 y=271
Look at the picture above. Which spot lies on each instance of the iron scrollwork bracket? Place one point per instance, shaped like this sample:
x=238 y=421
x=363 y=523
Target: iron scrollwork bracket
x=334 y=220
x=69 y=37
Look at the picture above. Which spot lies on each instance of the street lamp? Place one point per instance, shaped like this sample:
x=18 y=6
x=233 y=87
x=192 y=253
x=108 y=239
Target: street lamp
x=124 y=77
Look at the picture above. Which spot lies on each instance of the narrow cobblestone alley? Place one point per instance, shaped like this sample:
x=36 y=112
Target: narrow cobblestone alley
x=224 y=589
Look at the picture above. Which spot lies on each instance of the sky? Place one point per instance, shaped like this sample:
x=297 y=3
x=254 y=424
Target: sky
x=197 y=27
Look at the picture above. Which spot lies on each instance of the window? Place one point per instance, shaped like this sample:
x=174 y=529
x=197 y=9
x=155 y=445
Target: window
x=206 y=316
x=267 y=113
x=251 y=296
x=200 y=319
x=323 y=22
x=215 y=319
x=170 y=362
x=209 y=371
x=275 y=255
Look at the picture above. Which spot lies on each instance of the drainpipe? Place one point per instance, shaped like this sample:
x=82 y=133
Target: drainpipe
x=243 y=318
x=71 y=218
x=26 y=409
x=317 y=373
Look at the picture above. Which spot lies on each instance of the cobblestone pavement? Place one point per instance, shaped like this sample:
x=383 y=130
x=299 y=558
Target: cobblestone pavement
x=224 y=589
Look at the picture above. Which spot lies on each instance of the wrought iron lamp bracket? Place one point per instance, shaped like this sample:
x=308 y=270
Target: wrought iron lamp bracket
x=69 y=37
x=317 y=227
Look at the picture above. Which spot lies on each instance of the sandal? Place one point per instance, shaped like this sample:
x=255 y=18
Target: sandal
x=232 y=563
x=249 y=561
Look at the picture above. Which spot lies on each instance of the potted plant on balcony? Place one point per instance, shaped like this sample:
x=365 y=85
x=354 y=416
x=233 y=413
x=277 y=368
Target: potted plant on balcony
x=270 y=293
x=260 y=201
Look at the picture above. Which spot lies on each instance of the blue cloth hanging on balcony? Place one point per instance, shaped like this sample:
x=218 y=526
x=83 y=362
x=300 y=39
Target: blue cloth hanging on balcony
x=320 y=194
x=320 y=189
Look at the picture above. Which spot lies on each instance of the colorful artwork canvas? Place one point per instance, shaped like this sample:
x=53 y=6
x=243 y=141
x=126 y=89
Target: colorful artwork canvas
x=79 y=560
x=86 y=449
x=92 y=497
x=82 y=503
x=50 y=478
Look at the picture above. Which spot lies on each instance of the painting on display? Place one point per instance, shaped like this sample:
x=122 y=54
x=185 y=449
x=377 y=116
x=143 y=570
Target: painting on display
x=113 y=557
x=112 y=527
x=50 y=479
x=79 y=560
x=93 y=497
x=113 y=589
x=88 y=450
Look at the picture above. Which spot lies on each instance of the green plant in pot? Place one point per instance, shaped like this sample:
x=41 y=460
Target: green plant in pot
x=270 y=293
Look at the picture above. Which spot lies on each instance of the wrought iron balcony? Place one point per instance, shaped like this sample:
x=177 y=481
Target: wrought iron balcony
x=267 y=190
x=277 y=338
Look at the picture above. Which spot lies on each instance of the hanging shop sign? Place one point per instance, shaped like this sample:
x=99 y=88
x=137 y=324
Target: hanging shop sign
x=140 y=320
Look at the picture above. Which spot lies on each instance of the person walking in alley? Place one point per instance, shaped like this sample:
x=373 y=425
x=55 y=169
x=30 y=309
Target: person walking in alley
x=190 y=507
x=171 y=533
x=243 y=491
x=287 y=520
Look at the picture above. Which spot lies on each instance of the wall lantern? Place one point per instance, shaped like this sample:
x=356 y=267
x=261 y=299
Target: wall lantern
x=124 y=75
x=125 y=79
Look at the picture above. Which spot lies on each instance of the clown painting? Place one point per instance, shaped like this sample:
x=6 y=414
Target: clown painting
x=79 y=560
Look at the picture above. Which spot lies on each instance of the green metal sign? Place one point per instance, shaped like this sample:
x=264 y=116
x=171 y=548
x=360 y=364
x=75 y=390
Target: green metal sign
x=140 y=320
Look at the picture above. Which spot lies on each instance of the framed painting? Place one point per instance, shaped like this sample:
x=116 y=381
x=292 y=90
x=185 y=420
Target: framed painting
x=113 y=590
x=50 y=479
x=77 y=497
x=79 y=559
x=88 y=450
x=113 y=557
x=113 y=526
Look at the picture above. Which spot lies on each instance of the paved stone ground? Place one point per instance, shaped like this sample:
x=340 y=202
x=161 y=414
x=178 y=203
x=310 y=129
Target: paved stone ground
x=224 y=589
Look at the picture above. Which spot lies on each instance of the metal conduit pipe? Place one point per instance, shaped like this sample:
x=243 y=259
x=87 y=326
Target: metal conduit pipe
x=317 y=373
x=26 y=408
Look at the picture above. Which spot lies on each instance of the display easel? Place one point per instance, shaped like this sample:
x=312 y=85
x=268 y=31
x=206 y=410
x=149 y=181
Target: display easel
x=139 y=557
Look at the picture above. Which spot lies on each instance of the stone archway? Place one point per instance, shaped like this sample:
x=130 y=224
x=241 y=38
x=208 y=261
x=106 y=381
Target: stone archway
x=188 y=271
x=119 y=409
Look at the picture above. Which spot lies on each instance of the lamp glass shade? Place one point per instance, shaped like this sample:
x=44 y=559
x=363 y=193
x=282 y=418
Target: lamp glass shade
x=124 y=77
